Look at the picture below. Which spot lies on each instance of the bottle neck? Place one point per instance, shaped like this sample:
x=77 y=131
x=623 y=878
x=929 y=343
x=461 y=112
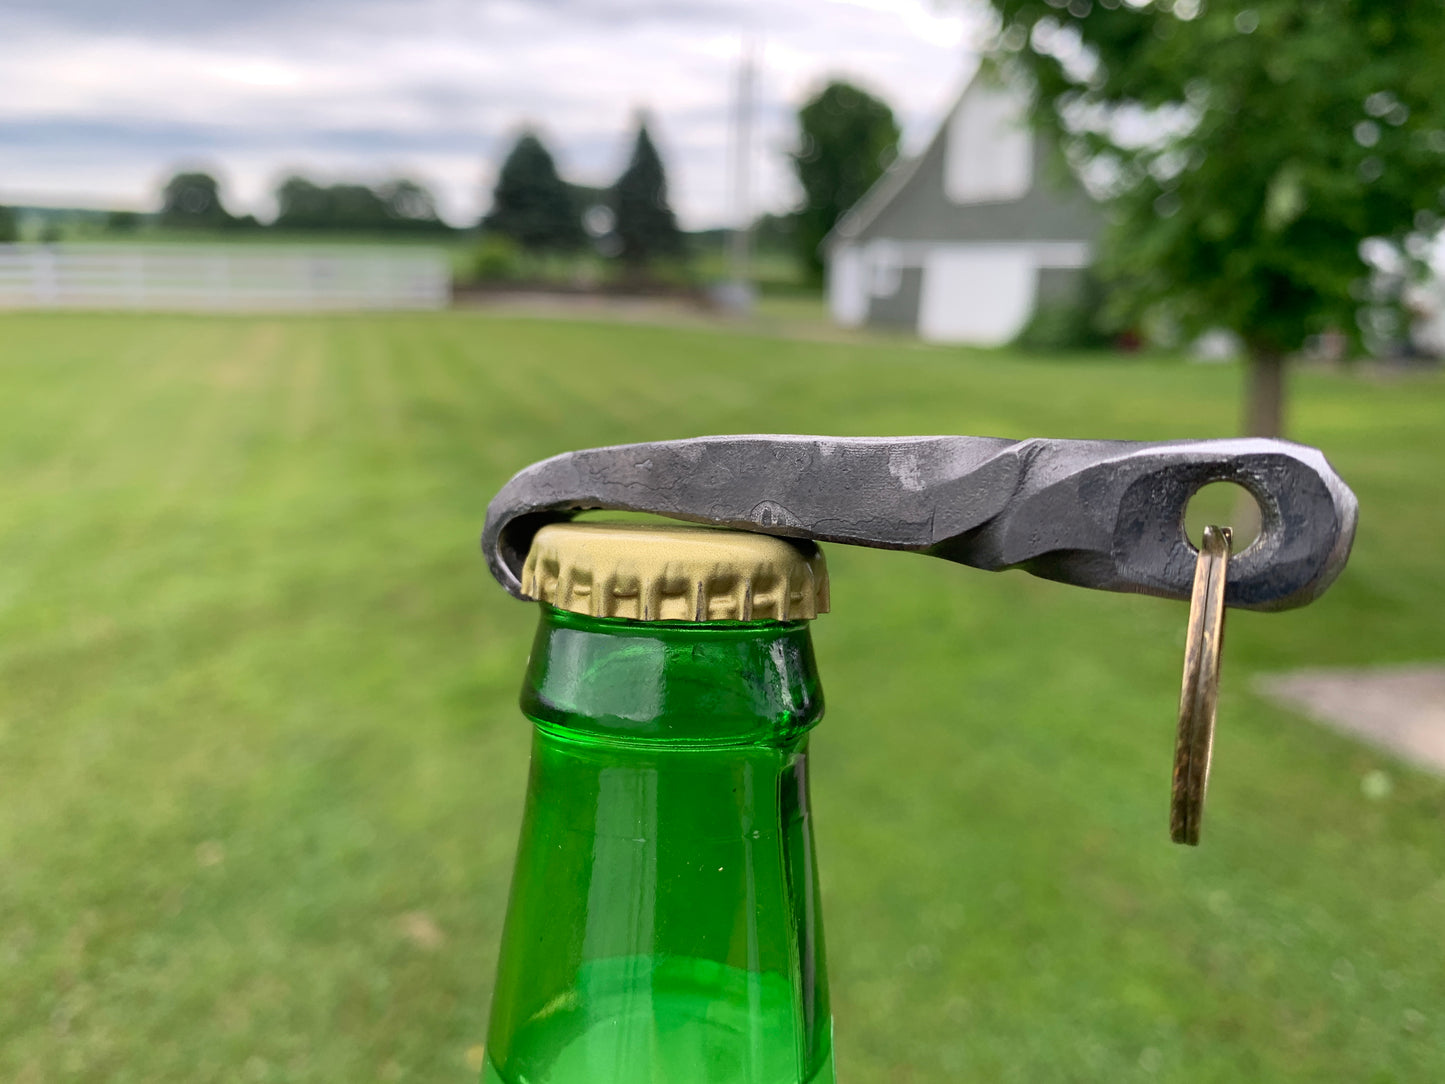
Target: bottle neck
x=672 y=683
x=664 y=923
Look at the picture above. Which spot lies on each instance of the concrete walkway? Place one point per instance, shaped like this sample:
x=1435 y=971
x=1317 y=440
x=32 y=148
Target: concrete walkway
x=1400 y=709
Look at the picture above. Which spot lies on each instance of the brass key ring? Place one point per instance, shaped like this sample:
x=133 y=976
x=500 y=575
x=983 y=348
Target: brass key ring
x=1197 y=701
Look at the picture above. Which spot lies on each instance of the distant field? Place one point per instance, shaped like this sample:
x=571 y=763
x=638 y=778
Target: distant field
x=261 y=765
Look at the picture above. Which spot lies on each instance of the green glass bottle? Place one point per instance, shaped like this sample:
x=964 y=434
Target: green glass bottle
x=664 y=922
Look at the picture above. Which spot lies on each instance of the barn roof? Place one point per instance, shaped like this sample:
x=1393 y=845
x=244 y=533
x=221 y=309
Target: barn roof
x=909 y=202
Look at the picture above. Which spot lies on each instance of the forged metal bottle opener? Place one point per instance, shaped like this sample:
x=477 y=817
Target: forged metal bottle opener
x=1101 y=514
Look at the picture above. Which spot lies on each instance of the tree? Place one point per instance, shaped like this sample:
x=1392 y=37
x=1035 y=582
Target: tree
x=122 y=222
x=847 y=139
x=193 y=200
x=354 y=206
x=643 y=222
x=9 y=227
x=1246 y=154
x=775 y=233
x=530 y=202
x=302 y=204
x=410 y=203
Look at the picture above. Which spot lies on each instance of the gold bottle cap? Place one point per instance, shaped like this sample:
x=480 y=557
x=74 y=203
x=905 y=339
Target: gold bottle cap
x=666 y=573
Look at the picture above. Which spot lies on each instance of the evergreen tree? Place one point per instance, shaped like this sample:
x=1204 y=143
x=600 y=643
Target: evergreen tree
x=849 y=138
x=531 y=204
x=9 y=227
x=644 y=224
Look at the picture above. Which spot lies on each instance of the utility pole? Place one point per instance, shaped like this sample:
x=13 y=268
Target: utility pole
x=738 y=294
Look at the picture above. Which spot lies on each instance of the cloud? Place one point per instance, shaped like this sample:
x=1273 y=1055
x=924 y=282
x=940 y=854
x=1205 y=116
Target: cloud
x=97 y=99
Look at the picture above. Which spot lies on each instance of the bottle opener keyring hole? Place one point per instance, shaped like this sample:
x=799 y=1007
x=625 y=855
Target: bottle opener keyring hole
x=1226 y=504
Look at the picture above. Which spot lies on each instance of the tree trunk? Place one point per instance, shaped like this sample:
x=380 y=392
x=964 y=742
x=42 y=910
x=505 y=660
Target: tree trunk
x=1264 y=394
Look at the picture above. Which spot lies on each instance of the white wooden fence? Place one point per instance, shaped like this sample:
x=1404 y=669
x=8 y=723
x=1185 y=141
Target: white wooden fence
x=222 y=277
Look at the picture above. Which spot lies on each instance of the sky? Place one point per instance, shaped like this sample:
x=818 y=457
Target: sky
x=100 y=100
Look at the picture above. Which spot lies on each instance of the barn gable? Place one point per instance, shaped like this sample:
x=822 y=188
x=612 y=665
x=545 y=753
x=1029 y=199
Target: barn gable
x=983 y=177
x=958 y=242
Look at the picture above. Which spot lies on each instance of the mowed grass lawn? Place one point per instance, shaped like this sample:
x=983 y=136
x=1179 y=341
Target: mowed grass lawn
x=261 y=767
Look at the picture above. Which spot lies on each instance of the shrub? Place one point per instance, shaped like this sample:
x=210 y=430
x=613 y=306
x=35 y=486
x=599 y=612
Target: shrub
x=497 y=259
x=1073 y=322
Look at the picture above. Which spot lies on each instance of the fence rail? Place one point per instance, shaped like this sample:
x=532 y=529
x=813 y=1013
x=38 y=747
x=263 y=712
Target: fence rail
x=216 y=277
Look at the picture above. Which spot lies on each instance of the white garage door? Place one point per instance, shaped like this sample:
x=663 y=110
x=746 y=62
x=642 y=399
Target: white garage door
x=847 y=285
x=982 y=295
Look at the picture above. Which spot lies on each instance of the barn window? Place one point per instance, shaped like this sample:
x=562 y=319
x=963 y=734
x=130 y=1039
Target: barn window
x=989 y=150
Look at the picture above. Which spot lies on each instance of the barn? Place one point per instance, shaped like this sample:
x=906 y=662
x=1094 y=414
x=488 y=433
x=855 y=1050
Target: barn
x=962 y=243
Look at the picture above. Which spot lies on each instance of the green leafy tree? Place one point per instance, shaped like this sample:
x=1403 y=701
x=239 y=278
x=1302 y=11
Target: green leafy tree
x=9 y=226
x=775 y=233
x=355 y=206
x=531 y=204
x=847 y=139
x=302 y=204
x=192 y=200
x=643 y=223
x=1247 y=152
x=407 y=201
x=122 y=222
